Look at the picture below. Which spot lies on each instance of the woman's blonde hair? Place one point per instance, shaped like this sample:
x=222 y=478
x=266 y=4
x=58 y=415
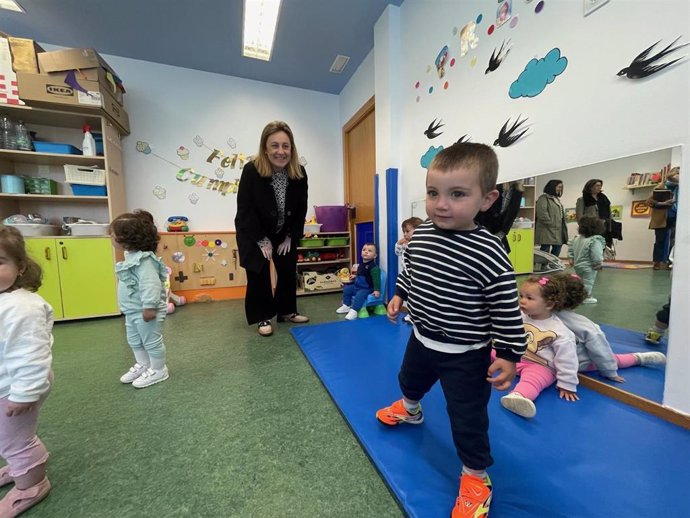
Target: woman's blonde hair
x=261 y=161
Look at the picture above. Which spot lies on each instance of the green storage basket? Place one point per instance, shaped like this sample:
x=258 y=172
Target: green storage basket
x=34 y=185
x=337 y=241
x=310 y=242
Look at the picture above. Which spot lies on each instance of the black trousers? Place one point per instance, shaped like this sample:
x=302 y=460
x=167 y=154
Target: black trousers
x=463 y=380
x=261 y=303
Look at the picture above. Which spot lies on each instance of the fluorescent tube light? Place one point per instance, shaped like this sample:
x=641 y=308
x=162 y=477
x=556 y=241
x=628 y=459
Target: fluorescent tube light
x=11 y=5
x=260 y=20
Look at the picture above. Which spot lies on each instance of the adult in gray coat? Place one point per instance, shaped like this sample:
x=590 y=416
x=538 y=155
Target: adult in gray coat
x=550 y=230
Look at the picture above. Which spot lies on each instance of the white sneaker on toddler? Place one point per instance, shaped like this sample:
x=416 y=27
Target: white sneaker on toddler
x=519 y=404
x=343 y=309
x=151 y=377
x=351 y=315
x=133 y=373
x=590 y=300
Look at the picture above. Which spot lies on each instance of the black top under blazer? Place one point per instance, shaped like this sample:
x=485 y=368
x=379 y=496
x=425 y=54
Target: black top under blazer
x=257 y=214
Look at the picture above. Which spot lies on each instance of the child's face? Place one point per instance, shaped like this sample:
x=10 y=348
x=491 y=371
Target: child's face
x=368 y=253
x=532 y=302
x=9 y=271
x=453 y=198
x=409 y=230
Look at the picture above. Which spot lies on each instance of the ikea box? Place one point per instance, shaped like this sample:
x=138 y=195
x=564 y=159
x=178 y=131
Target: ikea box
x=91 y=75
x=88 y=190
x=40 y=89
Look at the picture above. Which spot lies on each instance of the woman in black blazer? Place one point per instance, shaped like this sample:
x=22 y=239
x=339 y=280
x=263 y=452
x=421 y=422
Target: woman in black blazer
x=271 y=207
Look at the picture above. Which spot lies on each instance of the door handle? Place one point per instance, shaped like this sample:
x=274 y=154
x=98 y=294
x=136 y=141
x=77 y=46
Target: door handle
x=64 y=252
x=519 y=237
x=46 y=253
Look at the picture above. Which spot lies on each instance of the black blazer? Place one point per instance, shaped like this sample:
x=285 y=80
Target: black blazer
x=257 y=215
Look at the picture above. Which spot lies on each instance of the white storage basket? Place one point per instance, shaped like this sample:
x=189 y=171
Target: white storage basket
x=84 y=175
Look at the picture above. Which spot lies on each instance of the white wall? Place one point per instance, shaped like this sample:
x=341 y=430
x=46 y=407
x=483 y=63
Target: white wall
x=638 y=240
x=587 y=115
x=358 y=90
x=168 y=106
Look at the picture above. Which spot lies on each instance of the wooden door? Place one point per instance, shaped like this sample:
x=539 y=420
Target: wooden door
x=359 y=153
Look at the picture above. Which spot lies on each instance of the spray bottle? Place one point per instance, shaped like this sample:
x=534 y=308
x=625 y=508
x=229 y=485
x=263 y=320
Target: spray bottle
x=88 y=147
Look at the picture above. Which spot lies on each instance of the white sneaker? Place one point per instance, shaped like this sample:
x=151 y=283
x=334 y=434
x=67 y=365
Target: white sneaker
x=343 y=309
x=133 y=373
x=351 y=315
x=151 y=377
x=590 y=300
x=519 y=404
x=651 y=358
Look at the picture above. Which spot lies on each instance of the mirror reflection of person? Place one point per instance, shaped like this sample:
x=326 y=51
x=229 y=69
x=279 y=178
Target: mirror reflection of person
x=594 y=202
x=663 y=217
x=271 y=206
x=551 y=230
x=503 y=13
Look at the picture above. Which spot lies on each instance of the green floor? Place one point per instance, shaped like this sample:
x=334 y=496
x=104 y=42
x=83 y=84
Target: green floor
x=243 y=427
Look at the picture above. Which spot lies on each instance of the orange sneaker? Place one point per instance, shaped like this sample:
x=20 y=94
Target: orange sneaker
x=397 y=413
x=474 y=499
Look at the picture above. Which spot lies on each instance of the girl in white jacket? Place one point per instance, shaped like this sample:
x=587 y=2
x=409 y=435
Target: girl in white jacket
x=26 y=323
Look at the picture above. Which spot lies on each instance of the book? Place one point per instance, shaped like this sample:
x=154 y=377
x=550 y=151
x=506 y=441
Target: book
x=661 y=194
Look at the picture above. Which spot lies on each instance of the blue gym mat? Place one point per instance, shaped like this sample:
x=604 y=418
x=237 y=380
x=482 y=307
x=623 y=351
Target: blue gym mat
x=594 y=457
x=647 y=382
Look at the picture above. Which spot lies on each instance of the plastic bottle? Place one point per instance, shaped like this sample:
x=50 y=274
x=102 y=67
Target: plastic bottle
x=7 y=133
x=23 y=139
x=88 y=147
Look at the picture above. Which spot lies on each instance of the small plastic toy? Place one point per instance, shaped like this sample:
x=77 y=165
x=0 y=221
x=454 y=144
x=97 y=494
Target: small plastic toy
x=177 y=224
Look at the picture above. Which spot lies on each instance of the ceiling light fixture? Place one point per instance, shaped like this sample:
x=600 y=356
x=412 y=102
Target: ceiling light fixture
x=339 y=63
x=11 y=5
x=260 y=21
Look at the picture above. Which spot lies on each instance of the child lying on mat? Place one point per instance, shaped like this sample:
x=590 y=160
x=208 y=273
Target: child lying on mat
x=552 y=351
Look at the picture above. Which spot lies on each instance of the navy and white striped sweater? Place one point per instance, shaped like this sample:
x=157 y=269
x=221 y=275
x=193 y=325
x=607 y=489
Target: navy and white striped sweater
x=460 y=291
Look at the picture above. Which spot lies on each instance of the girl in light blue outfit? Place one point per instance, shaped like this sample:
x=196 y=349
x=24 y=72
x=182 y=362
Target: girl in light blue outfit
x=141 y=294
x=586 y=252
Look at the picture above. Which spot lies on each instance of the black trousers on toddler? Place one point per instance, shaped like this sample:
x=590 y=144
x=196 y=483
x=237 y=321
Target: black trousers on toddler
x=463 y=380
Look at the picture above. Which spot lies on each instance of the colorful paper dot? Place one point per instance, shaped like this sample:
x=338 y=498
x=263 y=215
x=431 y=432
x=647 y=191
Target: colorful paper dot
x=445 y=85
x=473 y=61
x=189 y=240
x=223 y=245
x=204 y=242
x=479 y=19
x=513 y=22
x=539 y=7
x=211 y=244
x=452 y=62
x=428 y=69
x=416 y=85
x=431 y=89
x=218 y=242
x=490 y=30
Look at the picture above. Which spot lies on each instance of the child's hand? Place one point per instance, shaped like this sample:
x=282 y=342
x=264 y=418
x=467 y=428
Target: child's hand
x=619 y=379
x=393 y=308
x=376 y=294
x=507 y=372
x=567 y=395
x=15 y=409
x=401 y=241
x=149 y=314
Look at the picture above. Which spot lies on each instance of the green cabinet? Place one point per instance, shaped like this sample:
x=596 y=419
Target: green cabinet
x=78 y=275
x=521 y=241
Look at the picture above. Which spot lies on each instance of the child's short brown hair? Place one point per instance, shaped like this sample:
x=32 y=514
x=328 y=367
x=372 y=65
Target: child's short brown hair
x=12 y=243
x=590 y=226
x=413 y=222
x=470 y=155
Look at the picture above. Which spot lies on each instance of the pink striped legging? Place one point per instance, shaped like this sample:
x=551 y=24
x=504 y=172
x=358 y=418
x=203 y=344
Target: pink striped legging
x=534 y=378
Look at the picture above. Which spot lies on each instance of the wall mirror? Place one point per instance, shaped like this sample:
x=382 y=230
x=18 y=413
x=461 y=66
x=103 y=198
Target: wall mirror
x=629 y=291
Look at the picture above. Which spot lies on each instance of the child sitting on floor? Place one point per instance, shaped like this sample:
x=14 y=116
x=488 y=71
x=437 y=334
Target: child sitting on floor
x=555 y=351
x=366 y=280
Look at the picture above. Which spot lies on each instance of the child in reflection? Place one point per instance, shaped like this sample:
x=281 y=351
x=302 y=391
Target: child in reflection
x=367 y=280
x=586 y=252
x=408 y=227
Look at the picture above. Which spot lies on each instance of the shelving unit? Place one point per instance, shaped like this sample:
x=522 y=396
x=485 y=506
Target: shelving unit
x=78 y=272
x=521 y=240
x=331 y=265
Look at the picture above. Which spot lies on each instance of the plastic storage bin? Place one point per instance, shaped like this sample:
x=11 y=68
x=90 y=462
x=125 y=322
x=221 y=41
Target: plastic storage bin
x=311 y=242
x=54 y=147
x=337 y=241
x=88 y=190
x=12 y=184
x=36 y=229
x=84 y=175
x=333 y=218
x=312 y=228
x=33 y=185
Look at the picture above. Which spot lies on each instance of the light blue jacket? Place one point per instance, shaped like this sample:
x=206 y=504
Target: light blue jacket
x=142 y=278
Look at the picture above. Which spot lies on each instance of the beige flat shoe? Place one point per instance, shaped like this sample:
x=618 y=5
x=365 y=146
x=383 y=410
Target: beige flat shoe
x=17 y=501
x=295 y=318
x=265 y=328
x=5 y=477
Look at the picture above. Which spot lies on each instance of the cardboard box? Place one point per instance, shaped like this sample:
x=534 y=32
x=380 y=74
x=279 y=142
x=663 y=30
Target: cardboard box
x=314 y=281
x=93 y=75
x=24 y=52
x=37 y=89
x=71 y=59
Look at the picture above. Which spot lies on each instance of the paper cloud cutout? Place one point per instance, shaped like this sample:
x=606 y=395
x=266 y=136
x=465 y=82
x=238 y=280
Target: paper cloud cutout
x=427 y=157
x=537 y=74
